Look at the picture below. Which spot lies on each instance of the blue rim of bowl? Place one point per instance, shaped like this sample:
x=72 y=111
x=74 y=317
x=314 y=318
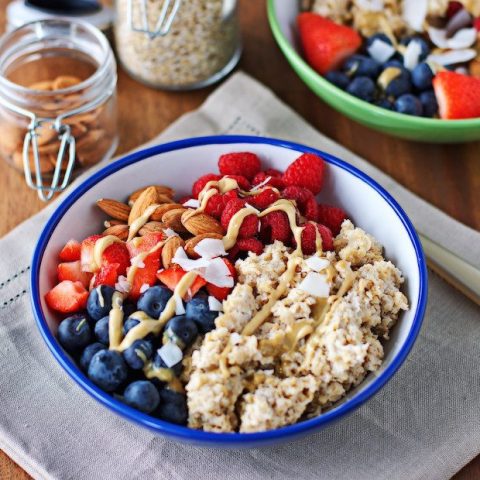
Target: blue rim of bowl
x=185 y=433
x=288 y=48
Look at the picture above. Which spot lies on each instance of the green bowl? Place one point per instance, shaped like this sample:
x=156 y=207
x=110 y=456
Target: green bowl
x=282 y=16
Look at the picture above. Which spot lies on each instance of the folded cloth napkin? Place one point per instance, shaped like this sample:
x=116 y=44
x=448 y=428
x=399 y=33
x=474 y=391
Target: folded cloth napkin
x=423 y=425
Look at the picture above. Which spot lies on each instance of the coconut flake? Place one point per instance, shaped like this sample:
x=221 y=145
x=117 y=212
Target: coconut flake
x=180 y=258
x=179 y=307
x=415 y=13
x=260 y=185
x=144 y=287
x=453 y=57
x=210 y=248
x=438 y=37
x=137 y=261
x=170 y=233
x=122 y=285
x=315 y=284
x=381 y=51
x=171 y=354
x=464 y=38
x=218 y=273
x=317 y=264
x=412 y=54
x=193 y=203
x=214 y=305
x=371 y=5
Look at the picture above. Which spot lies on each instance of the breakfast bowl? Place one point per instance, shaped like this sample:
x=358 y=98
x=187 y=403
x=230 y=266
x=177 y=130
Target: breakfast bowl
x=283 y=22
x=179 y=164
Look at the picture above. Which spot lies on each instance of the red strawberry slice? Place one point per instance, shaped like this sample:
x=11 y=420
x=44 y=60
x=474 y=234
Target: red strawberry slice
x=70 y=252
x=326 y=44
x=73 y=271
x=221 y=293
x=86 y=253
x=146 y=275
x=144 y=244
x=458 y=95
x=171 y=276
x=117 y=254
x=67 y=297
x=107 y=275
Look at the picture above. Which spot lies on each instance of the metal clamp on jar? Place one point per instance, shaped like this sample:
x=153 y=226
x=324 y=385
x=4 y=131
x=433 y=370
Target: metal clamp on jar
x=177 y=45
x=57 y=101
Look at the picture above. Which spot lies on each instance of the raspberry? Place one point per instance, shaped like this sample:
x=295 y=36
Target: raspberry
x=311 y=209
x=306 y=171
x=331 y=216
x=249 y=225
x=309 y=238
x=243 y=183
x=275 y=226
x=199 y=185
x=305 y=200
x=245 y=245
x=271 y=172
x=185 y=199
x=216 y=204
x=476 y=24
x=239 y=163
x=275 y=182
x=264 y=199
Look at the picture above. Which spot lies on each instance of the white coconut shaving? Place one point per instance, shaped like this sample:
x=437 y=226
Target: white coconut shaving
x=317 y=264
x=253 y=208
x=179 y=307
x=170 y=233
x=452 y=57
x=210 y=248
x=371 y=5
x=412 y=54
x=181 y=258
x=171 y=354
x=315 y=284
x=218 y=273
x=137 y=261
x=144 y=287
x=122 y=285
x=192 y=203
x=415 y=13
x=214 y=305
x=260 y=185
x=462 y=39
x=381 y=51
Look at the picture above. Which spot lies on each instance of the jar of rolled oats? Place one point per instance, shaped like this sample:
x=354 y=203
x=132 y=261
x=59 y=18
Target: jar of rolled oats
x=57 y=101
x=177 y=44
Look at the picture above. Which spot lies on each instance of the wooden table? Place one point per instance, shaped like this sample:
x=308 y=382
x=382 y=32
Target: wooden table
x=447 y=176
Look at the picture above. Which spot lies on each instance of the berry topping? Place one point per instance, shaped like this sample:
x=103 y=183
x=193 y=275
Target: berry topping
x=409 y=104
x=221 y=293
x=216 y=204
x=129 y=324
x=142 y=395
x=249 y=226
x=70 y=252
x=108 y=370
x=268 y=178
x=74 y=333
x=154 y=300
x=73 y=271
x=309 y=238
x=198 y=311
x=107 y=275
x=199 y=185
x=180 y=330
x=102 y=331
x=173 y=407
x=67 y=297
x=304 y=199
x=99 y=301
x=306 y=171
x=88 y=354
x=264 y=199
x=86 y=253
x=171 y=276
x=330 y=216
x=138 y=354
x=117 y=253
x=245 y=245
x=246 y=164
x=243 y=183
x=363 y=88
x=275 y=226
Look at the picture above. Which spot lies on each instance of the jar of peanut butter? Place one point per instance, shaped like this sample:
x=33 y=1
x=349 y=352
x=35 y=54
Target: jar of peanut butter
x=57 y=101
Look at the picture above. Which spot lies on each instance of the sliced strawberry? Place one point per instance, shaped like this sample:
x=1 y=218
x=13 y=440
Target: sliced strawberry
x=171 y=276
x=146 y=275
x=86 y=253
x=326 y=44
x=458 y=95
x=73 y=271
x=67 y=297
x=144 y=244
x=107 y=275
x=117 y=254
x=70 y=252
x=221 y=293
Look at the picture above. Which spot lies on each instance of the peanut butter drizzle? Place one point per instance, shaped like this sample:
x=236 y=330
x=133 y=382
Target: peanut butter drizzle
x=115 y=321
x=138 y=223
x=100 y=246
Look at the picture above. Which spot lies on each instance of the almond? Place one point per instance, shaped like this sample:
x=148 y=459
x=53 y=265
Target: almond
x=162 y=209
x=147 y=198
x=191 y=243
x=65 y=81
x=169 y=249
x=120 y=231
x=173 y=219
x=114 y=208
x=161 y=190
x=152 y=227
x=201 y=223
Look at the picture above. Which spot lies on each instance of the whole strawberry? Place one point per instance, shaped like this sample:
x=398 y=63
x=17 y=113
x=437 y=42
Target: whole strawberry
x=246 y=164
x=306 y=171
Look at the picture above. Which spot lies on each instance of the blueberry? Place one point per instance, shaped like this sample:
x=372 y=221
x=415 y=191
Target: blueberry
x=198 y=310
x=180 y=330
x=142 y=395
x=88 y=354
x=108 y=370
x=154 y=300
x=129 y=324
x=395 y=81
x=422 y=76
x=173 y=407
x=361 y=66
x=429 y=103
x=128 y=309
x=393 y=63
x=378 y=36
x=159 y=363
x=424 y=48
x=101 y=330
x=100 y=301
x=409 y=104
x=339 y=79
x=362 y=87
x=384 y=103
x=138 y=354
x=74 y=333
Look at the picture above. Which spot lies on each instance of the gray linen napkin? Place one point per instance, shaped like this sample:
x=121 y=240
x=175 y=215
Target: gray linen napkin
x=424 y=424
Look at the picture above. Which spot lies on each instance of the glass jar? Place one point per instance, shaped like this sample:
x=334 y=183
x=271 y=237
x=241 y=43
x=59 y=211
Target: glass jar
x=175 y=44
x=58 y=110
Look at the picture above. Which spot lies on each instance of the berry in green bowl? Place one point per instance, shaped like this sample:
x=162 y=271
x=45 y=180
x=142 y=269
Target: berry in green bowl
x=283 y=22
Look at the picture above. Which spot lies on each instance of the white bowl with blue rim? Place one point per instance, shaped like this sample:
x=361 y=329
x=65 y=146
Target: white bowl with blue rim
x=179 y=164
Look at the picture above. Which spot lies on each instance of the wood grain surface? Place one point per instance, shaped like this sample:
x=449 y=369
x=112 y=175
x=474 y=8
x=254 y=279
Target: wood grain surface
x=448 y=176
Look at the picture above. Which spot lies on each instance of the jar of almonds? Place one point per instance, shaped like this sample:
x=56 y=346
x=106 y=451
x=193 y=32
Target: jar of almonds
x=57 y=101
x=175 y=44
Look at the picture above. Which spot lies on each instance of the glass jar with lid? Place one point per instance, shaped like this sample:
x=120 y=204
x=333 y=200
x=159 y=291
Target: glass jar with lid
x=177 y=44
x=57 y=101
